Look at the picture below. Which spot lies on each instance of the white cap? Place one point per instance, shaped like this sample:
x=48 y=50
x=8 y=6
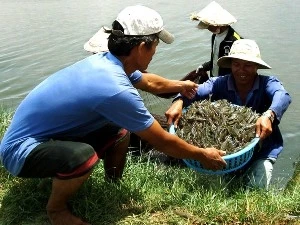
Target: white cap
x=97 y=43
x=244 y=49
x=214 y=15
x=141 y=20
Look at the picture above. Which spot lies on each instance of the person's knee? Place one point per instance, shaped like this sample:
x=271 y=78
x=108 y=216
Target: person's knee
x=58 y=157
x=124 y=137
x=115 y=157
x=81 y=161
x=81 y=170
x=260 y=173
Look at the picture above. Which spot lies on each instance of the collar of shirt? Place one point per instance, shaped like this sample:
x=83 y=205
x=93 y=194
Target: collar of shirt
x=218 y=39
x=113 y=58
x=222 y=35
x=231 y=87
x=231 y=84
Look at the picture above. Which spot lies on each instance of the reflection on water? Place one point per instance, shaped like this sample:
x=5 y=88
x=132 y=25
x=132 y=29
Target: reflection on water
x=40 y=37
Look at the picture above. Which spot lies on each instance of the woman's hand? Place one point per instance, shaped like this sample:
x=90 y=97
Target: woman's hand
x=189 y=89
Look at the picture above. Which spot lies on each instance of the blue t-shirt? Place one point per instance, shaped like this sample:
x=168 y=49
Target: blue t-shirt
x=72 y=103
x=267 y=93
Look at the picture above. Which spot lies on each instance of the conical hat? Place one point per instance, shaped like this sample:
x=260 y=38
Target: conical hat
x=215 y=15
x=97 y=43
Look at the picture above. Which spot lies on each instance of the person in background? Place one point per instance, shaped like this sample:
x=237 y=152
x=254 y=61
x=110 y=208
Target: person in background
x=218 y=21
x=245 y=87
x=98 y=42
x=83 y=113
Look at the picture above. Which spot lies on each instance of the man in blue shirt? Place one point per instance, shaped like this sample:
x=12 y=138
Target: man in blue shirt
x=264 y=94
x=84 y=113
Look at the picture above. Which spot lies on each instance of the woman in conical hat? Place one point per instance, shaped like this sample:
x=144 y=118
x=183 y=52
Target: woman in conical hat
x=97 y=43
x=218 y=21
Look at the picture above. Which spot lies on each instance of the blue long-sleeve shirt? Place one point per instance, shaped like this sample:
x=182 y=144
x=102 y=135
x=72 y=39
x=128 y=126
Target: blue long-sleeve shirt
x=267 y=93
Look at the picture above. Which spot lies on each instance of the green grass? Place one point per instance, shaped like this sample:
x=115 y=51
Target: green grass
x=5 y=118
x=153 y=193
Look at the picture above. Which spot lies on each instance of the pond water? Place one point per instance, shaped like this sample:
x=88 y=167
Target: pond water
x=40 y=37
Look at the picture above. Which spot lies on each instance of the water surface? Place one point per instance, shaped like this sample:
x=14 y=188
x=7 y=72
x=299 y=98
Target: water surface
x=40 y=37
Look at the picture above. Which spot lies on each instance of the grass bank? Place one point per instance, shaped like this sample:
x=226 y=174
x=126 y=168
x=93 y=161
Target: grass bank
x=152 y=193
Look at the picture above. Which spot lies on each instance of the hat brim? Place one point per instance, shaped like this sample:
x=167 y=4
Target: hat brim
x=202 y=25
x=225 y=61
x=97 y=43
x=166 y=36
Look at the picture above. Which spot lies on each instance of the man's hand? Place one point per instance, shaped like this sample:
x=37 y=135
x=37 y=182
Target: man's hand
x=174 y=146
x=212 y=159
x=174 y=113
x=189 y=89
x=166 y=88
x=263 y=127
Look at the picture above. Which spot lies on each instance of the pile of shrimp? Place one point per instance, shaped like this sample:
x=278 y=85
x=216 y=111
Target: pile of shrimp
x=218 y=124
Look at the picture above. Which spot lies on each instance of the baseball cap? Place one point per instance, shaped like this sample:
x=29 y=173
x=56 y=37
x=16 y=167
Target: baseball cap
x=140 y=20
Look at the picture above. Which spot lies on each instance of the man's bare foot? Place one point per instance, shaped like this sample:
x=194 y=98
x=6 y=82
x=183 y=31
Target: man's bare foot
x=64 y=217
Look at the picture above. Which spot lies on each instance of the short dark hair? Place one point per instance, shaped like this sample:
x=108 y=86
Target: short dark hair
x=122 y=45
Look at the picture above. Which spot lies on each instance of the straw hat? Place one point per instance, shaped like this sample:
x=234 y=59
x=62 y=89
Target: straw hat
x=213 y=15
x=244 y=49
x=97 y=43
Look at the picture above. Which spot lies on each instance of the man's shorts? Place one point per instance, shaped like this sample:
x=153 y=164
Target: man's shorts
x=67 y=158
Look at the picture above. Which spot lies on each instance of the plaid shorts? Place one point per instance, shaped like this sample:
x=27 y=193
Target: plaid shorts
x=67 y=158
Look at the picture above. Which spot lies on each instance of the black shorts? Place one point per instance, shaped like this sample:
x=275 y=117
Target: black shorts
x=72 y=157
